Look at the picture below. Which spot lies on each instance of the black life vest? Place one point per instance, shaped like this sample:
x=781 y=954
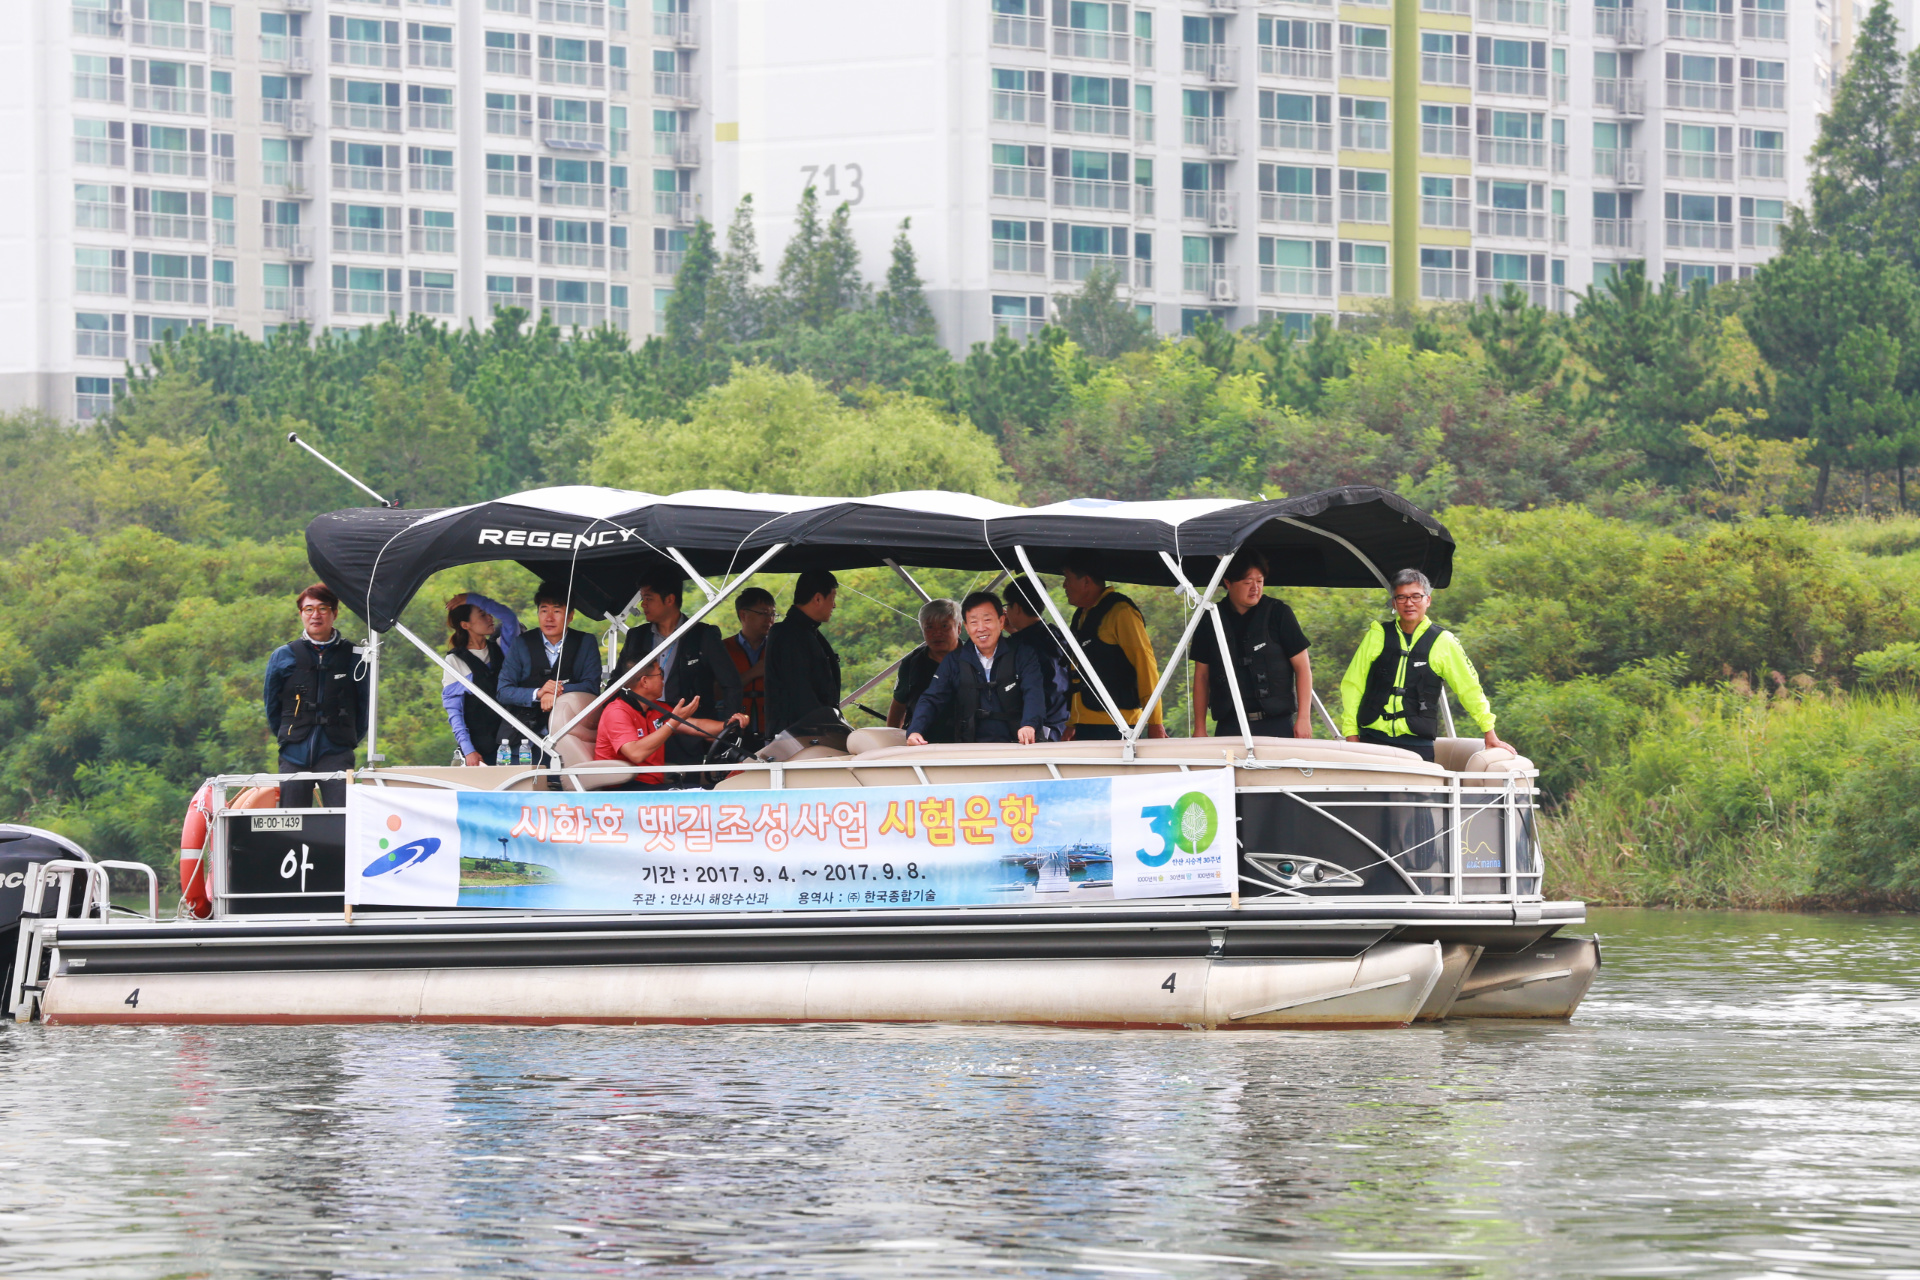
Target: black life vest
x=483 y=722
x=1264 y=669
x=542 y=671
x=320 y=692
x=1419 y=696
x=1002 y=702
x=1110 y=661
x=1047 y=647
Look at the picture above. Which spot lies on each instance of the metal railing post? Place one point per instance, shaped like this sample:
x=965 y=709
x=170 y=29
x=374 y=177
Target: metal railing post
x=1088 y=674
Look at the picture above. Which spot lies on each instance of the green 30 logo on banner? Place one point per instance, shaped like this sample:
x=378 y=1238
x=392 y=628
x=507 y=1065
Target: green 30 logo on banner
x=1189 y=824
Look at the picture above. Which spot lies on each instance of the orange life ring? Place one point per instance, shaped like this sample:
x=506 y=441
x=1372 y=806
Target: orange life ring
x=195 y=894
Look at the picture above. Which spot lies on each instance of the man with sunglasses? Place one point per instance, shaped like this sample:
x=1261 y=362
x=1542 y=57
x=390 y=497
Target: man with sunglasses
x=316 y=696
x=1391 y=692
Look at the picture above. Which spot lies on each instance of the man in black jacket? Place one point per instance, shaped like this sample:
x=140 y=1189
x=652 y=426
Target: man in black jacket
x=1027 y=628
x=990 y=690
x=696 y=662
x=316 y=695
x=803 y=671
x=1266 y=653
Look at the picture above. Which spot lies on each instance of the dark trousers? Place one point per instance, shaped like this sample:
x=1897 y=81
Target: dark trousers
x=1423 y=745
x=1272 y=728
x=1095 y=733
x=333 y=793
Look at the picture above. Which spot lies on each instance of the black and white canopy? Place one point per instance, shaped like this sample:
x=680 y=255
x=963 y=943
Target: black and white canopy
x=600 y=543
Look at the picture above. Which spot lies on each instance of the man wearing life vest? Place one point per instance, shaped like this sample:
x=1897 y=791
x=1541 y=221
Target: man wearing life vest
x=1266 y=654
x=1391 y=692
x=748 y=649
x=1113 y=635
x=316 y=696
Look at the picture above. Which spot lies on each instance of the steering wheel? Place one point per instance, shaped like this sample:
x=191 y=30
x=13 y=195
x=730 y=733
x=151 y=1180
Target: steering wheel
x=726 y=748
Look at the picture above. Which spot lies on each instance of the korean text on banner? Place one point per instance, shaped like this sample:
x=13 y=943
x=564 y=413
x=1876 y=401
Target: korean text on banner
x=855 y=848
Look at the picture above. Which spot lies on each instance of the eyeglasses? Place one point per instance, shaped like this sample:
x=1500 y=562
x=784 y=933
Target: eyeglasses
x=1413 y=599
x=316 y=608
x=760 y=613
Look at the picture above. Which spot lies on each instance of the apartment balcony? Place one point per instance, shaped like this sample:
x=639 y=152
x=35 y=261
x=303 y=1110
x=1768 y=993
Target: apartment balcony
x=509 y=244
x=566 y=135
x=1366 y=64
x=667 y=262
x=360 y=302
x=433 y=240
x=1520 y=13
x=169 y=226
x=290 y=51
x=577 y=195
x=92 y=215
x=682 y=30
x=1623 y=167
x=177 y=164
x=682 y=87
x=1013 y=257
x=1103 y=122
x=683 y=149
x=1074 y=268
x=1017 y=328
x=1019 y=183
x=1760 y=233
x=1446 y=69
x=679 y=207
x=1445 y=286
x=1699 y=95
x=1445 y=140
x=1518 y=224
x=430 y=53
x=1143 y=128
x=353 y=177
x=284 y=304
x=1764 y=95
x=1295 y=282
x=1364 y=279
x=1763 y=164
x=295 y=118
x=509 y=62
x=430 y=115
x=1019 y=108
x=364 y=53
x=1622 y=26
x=516 y=186
x=1757 y=24
x=355 y=115
x=1019 y=33
x=1142 y=274
x=100 y=344
x=97 y=88
x=1211 y=134
x=1295 y=135
x=577 y=12
x=509 y=124
x=1082 y=193
x=1712 y=27
x=433 y=302
x=1445 y=214
x=581 y=75
x=1220 y=210
x=1700 y=235
x=1518 y=153
x=1517 y=82
x=168 y=35
x=555 y=254
x=430 y=177
x=1216 y=63
x=366 y=240
x=183 y=102
x=1373 y=207
x=1626 y=97
x=97 y=22
x=1142 y=54
x=289 y=240
x=1298 y=64
x=165 y=289
x=1365 y=135
x=1095 y=46
x=1214 y=281
x=1704 y=166
x=1313 y=211
x=1536 y=292
x=1618 y=233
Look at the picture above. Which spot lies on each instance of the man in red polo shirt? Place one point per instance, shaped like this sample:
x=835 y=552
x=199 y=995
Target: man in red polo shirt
x=636 y=729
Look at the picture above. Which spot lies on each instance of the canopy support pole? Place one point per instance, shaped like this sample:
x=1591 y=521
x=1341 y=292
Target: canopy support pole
x=1186 y=635
x=1090 y=677
x=1233 y=684
x=441 y=660
x=907 y=578
x=706 y=588
x=713 y=602
x=1359 y=555
x=1327 y=716
x=373 y=697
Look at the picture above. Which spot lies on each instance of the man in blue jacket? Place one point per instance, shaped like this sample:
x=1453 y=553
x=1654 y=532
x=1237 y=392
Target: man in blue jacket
x=316 y=696
x=549 y=660
x=993 y=691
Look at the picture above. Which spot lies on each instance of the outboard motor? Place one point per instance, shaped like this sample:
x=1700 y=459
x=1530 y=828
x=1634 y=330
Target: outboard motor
x=20 y=848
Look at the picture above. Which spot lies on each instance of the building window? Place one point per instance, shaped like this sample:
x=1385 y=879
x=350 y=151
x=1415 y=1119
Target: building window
x=1363 y=269
x=93 y=397
x=99 y=335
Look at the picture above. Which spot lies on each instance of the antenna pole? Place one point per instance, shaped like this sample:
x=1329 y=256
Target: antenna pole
x=293 y=437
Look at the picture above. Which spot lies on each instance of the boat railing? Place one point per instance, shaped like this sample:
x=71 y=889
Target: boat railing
x=30 y=951
x=1432 y=835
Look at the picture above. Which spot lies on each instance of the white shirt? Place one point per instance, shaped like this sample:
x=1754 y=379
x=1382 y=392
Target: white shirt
x=473 y=663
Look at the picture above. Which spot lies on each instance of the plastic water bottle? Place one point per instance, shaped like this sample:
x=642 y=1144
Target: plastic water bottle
x=504 y=755
x=526 y=752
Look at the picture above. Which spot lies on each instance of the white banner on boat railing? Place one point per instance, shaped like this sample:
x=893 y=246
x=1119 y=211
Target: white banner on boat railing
x=854 y=848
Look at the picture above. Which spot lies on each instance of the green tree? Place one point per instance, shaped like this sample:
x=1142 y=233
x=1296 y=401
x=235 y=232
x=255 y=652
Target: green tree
x=1009 y=384
x=819 y=274
x=736 y=309
x=1518 y=342
x=690 y=307
x=1841 y=330
x=1859 y=158
x=420 y=443
x=1099 y=321
x=904 y=301
x=1655 y=360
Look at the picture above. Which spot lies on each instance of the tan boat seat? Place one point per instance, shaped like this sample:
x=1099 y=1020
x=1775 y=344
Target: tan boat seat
x=759 y=779
x=575 y=748
x=877 y=738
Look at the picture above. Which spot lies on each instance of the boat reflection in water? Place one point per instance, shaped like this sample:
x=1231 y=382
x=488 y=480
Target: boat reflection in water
x=841 y=874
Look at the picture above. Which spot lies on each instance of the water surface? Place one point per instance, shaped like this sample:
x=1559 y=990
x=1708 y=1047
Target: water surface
x=1739 y=1097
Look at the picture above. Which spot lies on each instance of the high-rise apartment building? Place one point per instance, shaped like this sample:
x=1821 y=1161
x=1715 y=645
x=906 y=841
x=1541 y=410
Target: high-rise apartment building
x=250 y=163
